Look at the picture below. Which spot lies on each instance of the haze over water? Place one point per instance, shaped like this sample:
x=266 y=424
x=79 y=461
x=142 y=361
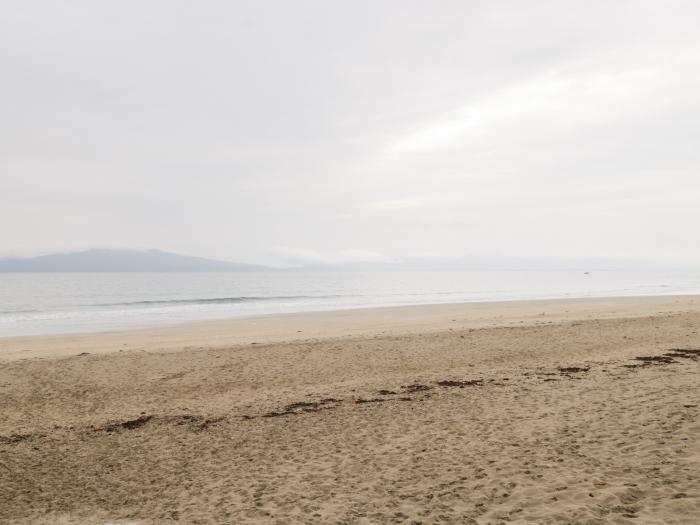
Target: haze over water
x=84 y=302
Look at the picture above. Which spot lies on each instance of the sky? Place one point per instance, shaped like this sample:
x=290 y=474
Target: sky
x=284 y=133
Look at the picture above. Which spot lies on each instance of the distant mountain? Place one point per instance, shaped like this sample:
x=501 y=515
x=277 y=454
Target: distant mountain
x=123 y=261
x=104 y=260
x=426 y=264
x=488 y=263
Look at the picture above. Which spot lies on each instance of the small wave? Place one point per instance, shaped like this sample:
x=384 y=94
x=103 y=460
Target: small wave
x=222 y=300
x=19 y=311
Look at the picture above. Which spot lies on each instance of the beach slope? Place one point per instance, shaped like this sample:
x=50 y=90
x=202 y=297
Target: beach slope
x=582 y=411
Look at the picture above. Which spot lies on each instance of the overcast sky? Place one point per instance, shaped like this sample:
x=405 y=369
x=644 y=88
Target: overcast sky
x=291 y=131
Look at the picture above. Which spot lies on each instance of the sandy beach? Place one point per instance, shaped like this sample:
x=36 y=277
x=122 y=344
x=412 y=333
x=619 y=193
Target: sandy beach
x=582 y=411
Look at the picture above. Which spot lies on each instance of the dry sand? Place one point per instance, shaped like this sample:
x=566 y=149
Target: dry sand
x=533 y=412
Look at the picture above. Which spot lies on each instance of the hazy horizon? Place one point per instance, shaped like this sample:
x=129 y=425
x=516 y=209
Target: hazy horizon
x=155 y=260
x=310 y=132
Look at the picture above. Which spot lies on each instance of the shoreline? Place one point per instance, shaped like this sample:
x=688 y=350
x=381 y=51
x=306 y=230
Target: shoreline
x=318 y=325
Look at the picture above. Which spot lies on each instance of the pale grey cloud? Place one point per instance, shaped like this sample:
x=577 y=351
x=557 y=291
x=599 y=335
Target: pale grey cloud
x=341 y=131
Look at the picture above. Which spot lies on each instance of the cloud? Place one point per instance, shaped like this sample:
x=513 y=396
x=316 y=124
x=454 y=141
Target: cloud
x=600 y=90
x=355 y=131
x=406 y=203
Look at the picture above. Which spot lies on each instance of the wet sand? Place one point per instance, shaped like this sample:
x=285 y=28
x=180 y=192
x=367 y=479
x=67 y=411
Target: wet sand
x=580 y=411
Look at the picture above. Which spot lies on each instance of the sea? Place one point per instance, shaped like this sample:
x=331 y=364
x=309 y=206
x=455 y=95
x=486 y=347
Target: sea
x=53 y=303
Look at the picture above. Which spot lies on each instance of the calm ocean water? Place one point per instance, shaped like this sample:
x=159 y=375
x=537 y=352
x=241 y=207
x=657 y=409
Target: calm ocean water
x=80 y=302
